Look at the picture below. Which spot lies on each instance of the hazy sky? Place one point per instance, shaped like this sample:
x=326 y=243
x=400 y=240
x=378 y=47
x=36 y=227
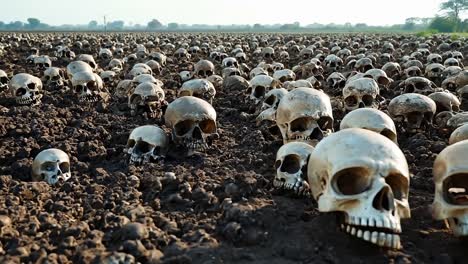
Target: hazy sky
x=372 y=12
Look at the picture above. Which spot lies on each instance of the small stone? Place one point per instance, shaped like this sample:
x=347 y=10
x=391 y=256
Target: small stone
x=5 y=220
x=133 y=231
x=170 y=176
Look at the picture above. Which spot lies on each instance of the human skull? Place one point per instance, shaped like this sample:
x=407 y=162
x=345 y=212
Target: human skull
x=463 y=93
x=77 y=66
x=370 y=119
x=418 y=85
x=284 y=75
x=413 y=112
x=261 y=84
x=54 y=77
x=451 y=184
x=149 y=98
x=230 y=62
x=445 y=101
x=115 y=65
x=200 y=88
x=89 y=60
x=305 y=115
x=146 y=143
x=193 y=123
x=336 y=81
x=51 y=165
x=291 y=167
x=42 y=62
x=456 y=81
x=204 y=69
x=270 y=104
x=363 y=65
x=108 y=77
x=361 y=93
x=3 y=81
x=333 y=63
x=459 y=134
x=26 y=89
x=124 y=89
x=392 y=69
x=88 y=87
x=379 y=76
x=365 y=177
x=105 y=54
x=413 y=71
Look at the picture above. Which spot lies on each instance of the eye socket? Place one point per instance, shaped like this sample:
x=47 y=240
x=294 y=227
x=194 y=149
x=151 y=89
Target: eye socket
x=352 y=181
x=131 y=143
x=3 y=79
x=32 y=86
x=91 y=85
x=259 y=91
x=399 y=185
x=208 y=126
x=455 y=189
x=301 y=124
x=20 y=92
x=64 y=166
x=367 y=100
x=143 y=147
x=291 y=164
x=351 y=100
x=183 y=127
x=270 y=100
x=79 y=88
x=325 y=123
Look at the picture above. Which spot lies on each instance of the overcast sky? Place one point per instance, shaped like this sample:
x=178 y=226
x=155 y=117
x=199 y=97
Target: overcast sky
x=372 y=12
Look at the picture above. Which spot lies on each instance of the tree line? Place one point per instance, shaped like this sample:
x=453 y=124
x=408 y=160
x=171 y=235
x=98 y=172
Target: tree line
x=449 y=21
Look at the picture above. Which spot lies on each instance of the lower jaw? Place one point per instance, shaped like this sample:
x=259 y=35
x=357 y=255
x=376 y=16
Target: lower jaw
x=301 y=191
x=89 y=99
x=28 y=101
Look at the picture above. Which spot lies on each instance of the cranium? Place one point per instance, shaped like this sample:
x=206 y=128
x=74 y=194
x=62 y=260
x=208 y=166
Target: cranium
x=115 y=65
x=291 y=167
x=419 y=85
x=370 y=119
x=124 y=89
x=200 y=88
x=147 y=143
x=392 y=69
x=42 y=62
x=336 y=81
x=270 y=104
x=231 y=71
x=413 y=71
x=363 y=176
x=88 y=59
x=155 y=67
x=454 y=82
x=459 y=134
x=193 y=122
x=304 y=114
x=108 y=77
x=77 y=66
x=3 y=81
x=451 y=185
x=261 y=84
x=379 y=76
x=204 y=69
x=51 y=165
x=290 y=85
x=333 y=63
x=434 y=72
x=463 y=93
x=88 y=87
x=284 y=75
x=26 y=89
x=445 y=101
x=363 y=65
x=361 y=93
x=105 y=54
x=414 y=112
x=257 y=71
x=149 y=98
x=54 y=77
x=230 y=62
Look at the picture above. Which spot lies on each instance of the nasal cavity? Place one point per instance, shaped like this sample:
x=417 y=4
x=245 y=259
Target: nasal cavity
x=384 y=201
x=259 y=92
x=197 y=134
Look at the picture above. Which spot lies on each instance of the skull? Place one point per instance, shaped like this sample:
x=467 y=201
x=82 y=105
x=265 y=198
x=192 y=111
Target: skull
x=148 y=97
x=193 y=122
x=336 y=81
x=290 y=85
x=105 y=54
x=42 y=62
x=147 y=143
x=456 y=81
x=460 y=134
x=333 y=63
x=89 y=60
x=365 y=177
x=108 y=77
x=413 y=71
x=363 y=65
x=54 y=77
x=392 y=69
x=115 y=65
x=463 y=92
x=419 y=85
x=445 y=101
x=200 y=88
x=284 y=75
x=3 y=81
x=26 y=88
x=434 y=72
x=88 y=87
x=51 y=165
x=261 y=84
x=361 y=93
x=230 y=62
x=451 y=185
x=270 y=104
x=77 y=66
x=291 y=167
x=434 y=58
x=268 y=54
x=380 y=77
x=204 y=69
x=371 y=119
x=414 y=112
x=304 y=114
x=124 y=89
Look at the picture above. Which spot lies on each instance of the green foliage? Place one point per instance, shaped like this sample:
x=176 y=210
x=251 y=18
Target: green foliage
x=154 y=24
x=427 y=33
x=444 y=24
x=33 y=23
x=172 y=26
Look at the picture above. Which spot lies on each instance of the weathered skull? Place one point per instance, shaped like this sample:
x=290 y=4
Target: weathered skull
x=149 y=98
x=270 y=104
x=147 y=143
x=26 y=89
x=290 y=85
x=284 y=75
x=419 y=85
x=445 y=101
x=42 y=62
x=460 y=134
x=434 y=58
x=413 y=112
x=434 y=72
x=304 y=114
x=230 y=62
x=370 y=119
x=193 y=122
x=257 y=71
x=363 y=65
x=231 y=71
x=108 y=77
x=261 y=84
x=115 y=65
x=124 y=89
x=413 y=71
x=463 y=93
x=155 y=67
x=379 y=76
x=3 y=81
x=105 y=54
x=365 y=177
x=200 y=88
x=291 y=167
x=451 y=186
x=77 y=66
x=392 y=69
x=217 y=81
x=333 y=63
x=204 y=69
x=51 y=165
x=456 y=81
x=88 y=59
x=361 y=93
x=54 y=77
x=336 y=81
x=88 y=87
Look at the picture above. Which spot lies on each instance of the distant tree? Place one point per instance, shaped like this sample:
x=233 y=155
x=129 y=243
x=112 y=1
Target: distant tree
x=154 y=24
x=14 y=25
x=116 y=25
x=2 y=25
x=410 y=23
x=453 y=9
x=443 y=24
x=93 y=24
x=172 y=26
x=361 y=25
x=33 y=23
x=257 y=26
